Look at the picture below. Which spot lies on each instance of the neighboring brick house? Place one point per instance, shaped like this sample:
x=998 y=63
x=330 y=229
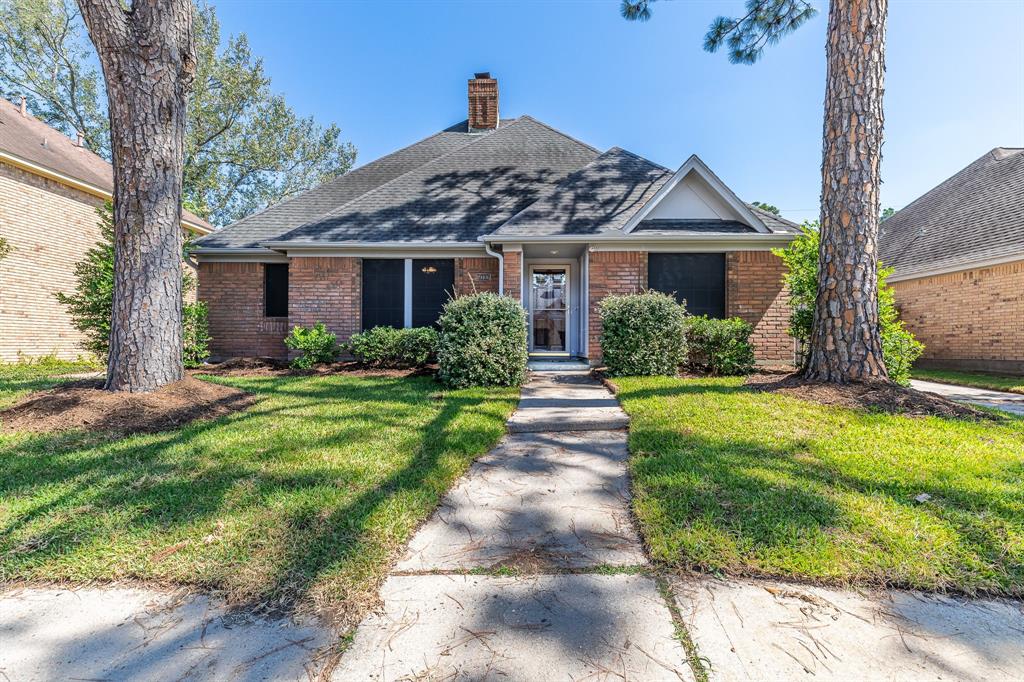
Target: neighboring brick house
x=50 y=190
x=490 y=204
x=958 y=255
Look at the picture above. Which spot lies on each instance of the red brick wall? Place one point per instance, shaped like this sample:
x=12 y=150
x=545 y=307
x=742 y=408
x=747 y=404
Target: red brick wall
x=612 y=272
x=514 y=274
x=234 y=295
x=755 y=293
x=971 y=320
x=476 y=275
x=327 y=290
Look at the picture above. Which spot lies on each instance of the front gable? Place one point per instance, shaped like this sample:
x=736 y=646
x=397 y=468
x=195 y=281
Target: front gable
x=695 y=193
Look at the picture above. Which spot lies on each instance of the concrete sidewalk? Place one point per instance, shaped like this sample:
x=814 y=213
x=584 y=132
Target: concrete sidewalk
x=502 y=583
x=1000 y=400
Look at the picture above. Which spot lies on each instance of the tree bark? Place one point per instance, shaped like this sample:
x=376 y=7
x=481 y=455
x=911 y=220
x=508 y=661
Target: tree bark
x=845 y=343
x=147 y=53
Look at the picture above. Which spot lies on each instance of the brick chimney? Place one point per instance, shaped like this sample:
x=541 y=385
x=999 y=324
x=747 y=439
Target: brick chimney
x=483 y=102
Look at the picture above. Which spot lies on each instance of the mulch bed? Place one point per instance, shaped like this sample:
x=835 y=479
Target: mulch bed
x=880 y=395
x=85 y=405
x=239 y=367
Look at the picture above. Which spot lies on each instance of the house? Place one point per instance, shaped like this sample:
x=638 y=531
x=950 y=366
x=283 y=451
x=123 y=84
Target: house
x=50 y=188
x=958 y=259
x=501 y=205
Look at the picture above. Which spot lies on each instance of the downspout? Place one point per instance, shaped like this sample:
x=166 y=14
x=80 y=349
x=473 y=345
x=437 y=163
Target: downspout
x=501 y=267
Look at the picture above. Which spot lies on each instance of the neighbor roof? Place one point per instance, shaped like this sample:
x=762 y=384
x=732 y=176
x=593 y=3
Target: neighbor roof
x=973 y=217
x=27 y=139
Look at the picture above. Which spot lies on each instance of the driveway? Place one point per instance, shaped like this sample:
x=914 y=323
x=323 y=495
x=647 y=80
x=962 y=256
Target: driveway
x=1007 y=402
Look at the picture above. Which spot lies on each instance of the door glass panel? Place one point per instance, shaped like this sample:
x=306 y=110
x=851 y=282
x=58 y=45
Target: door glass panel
x=548 y=306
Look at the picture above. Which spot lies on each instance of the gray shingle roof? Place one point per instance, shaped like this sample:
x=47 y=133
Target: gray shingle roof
x=459 y=196
x=774 y=222
x=302 y=208
x=663 y=226
x=598 y=198
x=974 y=216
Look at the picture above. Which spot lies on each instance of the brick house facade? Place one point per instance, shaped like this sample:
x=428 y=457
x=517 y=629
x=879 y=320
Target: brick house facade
x=49 y=197
x=514 y=207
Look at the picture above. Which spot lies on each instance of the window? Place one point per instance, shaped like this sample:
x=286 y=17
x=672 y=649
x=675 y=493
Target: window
x=697 y=278
x=433 y=283
x=383 y=292
x=275 y=290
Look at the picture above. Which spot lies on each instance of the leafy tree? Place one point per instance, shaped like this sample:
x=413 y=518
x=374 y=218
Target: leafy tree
x=845 y=343
x=245 y=148
x=767 y=207
x=900 y=348
x=91 y=303
x=888 y=213
x=5 y=248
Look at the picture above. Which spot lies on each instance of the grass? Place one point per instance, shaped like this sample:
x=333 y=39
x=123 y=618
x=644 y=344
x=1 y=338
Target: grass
x=303 y=499
x=19 y=378
x=993 y=382
x=736 y=482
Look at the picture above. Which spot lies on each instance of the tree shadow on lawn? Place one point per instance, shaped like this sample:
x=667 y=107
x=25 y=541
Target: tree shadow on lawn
x=795 y=505
x=317 y=486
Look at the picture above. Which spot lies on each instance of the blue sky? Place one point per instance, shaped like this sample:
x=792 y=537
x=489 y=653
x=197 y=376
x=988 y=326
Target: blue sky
x=390 y=73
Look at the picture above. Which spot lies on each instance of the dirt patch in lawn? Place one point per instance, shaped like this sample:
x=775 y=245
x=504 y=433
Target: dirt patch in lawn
x=876 y=395
x=85 y=405
x=274 y=367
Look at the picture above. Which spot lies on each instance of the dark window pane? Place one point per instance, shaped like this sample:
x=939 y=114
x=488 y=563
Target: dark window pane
x=275 y=290
x=697 y=278
x=433 y=283
x=383 y=292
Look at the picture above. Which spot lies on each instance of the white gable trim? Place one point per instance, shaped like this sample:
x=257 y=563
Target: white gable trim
x=695 y=165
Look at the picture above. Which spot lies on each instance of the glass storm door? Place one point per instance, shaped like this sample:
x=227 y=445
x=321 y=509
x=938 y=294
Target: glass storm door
x=549 y=309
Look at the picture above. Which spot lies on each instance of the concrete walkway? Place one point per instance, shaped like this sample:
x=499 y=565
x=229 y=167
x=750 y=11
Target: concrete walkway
x=1000 y=400
x=527 y=571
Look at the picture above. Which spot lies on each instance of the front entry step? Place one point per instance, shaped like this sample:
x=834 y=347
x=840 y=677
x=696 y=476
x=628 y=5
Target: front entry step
x=539 y=364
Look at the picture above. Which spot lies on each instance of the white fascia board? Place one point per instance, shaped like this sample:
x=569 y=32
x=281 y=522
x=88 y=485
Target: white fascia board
x=211 y=255
x=695 y=165
x=699 y=244
x=620 y=240
x=951 y=269
x=379 y=249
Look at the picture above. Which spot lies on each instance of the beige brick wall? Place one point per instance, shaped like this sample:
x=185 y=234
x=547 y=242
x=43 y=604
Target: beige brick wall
x=972 y=319
x=50 y=227
x=754 y=292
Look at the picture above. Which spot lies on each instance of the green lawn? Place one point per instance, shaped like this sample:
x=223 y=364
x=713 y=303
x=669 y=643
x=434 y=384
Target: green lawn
x=733 y=481
x=304 y=498
x=992 y=382
x=19 y=378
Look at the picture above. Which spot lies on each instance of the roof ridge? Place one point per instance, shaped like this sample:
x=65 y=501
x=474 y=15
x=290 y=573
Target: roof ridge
x=769 y=214
x=557 y=131
x=637 y=156
x=987 y=155
x=395 y=179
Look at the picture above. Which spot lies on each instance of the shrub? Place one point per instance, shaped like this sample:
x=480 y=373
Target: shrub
x=720 y=347
x=643 y=334
x=899 y=347
x=317 y=345
x=390 y=347
x=195 y=334
x=482 y=341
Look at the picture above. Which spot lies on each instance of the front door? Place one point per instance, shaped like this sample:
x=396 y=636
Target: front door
x=549 y=309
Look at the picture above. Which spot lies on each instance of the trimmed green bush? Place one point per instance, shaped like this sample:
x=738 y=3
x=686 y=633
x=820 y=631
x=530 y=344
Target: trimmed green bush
x=195 y=334
x=719 y=347
x=318 y=346
x=643 y=334
x=390 y=347
x=482 y=342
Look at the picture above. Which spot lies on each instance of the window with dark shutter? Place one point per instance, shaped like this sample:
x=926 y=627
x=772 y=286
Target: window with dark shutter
x=383 y=293
x=433 y=283
x=697 y=278
x=275 y=290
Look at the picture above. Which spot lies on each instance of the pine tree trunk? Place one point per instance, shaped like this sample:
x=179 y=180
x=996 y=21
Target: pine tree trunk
x=845 y=344
x=148 y=58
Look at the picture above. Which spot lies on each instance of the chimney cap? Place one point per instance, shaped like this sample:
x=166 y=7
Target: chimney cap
x=482 y=74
